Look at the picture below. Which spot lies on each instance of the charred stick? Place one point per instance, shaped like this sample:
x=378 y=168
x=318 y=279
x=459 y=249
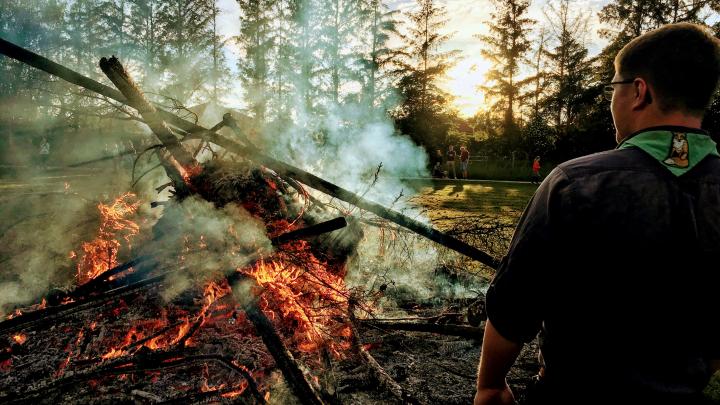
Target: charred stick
x=310 y=231
x=50 y=314
x=95 y=283
x=153 y=336
x=183 y=160
x=117 y=74
x=470 y=332
x=382 y=377
x=282 y=168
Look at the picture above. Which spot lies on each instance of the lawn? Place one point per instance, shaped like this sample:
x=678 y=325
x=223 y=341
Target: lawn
x=447 y=202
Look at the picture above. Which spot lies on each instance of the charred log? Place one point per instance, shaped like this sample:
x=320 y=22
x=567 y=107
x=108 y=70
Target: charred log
x=139 y=363
x=470 y=332
x=378 y=373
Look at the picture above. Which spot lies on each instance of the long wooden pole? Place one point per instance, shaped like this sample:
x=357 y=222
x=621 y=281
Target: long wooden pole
x=255 y=154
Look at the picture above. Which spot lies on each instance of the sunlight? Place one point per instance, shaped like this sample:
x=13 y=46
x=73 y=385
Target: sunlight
x=462 y=82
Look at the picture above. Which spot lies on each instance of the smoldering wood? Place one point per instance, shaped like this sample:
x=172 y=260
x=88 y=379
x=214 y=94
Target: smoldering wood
x=114 y=70
x=49 y=315
x=310 y=231
x=96 y=283
x=376 y=370
x=466 y=331
x=143 y=361
x=309 y=179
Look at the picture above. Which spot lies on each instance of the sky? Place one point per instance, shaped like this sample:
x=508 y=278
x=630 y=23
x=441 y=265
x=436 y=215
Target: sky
x=466 y=19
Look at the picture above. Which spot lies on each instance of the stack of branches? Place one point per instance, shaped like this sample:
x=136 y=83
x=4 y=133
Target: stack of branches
x=187 y=178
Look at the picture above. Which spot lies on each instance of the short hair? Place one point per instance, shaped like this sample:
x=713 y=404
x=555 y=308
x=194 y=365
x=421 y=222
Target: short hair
x=680 y=61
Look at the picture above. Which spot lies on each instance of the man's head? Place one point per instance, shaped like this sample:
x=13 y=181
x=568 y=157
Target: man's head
x=668 y=77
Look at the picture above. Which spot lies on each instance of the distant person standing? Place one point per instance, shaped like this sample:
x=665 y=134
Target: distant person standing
x=536 y=170
x=451 y=156
x=464 y=161
x=438 y=162
x=44 y=152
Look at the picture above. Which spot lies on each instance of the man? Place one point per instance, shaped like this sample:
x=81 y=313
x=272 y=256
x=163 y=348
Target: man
x=451 y=161
x=614 y=260
x=464 y=161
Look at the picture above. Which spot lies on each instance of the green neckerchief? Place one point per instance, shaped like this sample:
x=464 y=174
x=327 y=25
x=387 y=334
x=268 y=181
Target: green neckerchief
x=676 y=150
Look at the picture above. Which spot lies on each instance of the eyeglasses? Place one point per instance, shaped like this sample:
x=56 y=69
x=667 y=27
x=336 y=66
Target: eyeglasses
x=608 y=89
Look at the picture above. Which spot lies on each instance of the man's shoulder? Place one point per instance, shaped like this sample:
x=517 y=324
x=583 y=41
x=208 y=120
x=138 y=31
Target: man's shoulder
x=628 y=160
x=603 y=161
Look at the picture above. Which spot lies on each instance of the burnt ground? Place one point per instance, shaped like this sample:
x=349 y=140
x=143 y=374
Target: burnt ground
x=438 y=369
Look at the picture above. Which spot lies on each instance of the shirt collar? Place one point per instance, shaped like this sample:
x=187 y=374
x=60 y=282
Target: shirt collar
x=678 y=149
x=672 y=128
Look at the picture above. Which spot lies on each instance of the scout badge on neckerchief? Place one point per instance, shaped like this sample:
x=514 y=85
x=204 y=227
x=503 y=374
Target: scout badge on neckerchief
x=676 y=151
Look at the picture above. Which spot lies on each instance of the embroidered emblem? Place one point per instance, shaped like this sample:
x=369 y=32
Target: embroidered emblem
x=678 y=155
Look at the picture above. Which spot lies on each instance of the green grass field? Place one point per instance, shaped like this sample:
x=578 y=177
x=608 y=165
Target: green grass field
x=449 y=201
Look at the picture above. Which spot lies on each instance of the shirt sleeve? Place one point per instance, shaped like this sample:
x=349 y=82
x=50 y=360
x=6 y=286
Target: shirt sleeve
x=515 y=296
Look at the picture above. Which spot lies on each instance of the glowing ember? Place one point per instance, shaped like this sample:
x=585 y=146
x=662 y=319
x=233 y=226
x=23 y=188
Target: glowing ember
x=20 y=338
x=188 y=173
x=101 y=254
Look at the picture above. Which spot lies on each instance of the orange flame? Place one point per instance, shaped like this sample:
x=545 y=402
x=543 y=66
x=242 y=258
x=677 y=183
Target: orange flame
x=308 y=299
x=101 y=254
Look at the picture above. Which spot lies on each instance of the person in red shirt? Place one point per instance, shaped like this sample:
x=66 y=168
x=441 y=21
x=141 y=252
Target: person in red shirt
x=536 y=170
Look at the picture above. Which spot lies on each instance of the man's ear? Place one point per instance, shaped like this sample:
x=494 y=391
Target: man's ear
x=642 y=93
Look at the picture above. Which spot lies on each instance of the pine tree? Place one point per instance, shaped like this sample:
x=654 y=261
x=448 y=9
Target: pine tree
x=185 y=26
x=538 y=79
x=507 y=45
x=382 y=25
x=423 y=112
x=145 y=37
x=256 y=39
x=220 y=71
x=341 y=21
x=113 y=16
x=570 y=69
x=427 y=63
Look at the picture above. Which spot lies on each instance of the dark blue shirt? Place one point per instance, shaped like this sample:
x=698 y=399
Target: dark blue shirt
x=615 y=263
